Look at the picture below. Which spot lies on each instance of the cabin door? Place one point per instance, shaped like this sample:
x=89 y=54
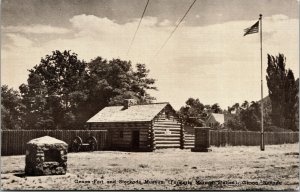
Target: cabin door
x=135 y=139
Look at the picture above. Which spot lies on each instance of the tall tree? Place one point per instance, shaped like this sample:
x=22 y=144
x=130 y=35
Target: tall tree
x=282 y=91
x=64 y=92
x=142 y=83
x=291 y=98
x=110 y=82
x=54 y=91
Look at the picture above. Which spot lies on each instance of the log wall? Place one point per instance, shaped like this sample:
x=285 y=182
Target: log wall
x=188 y=137
x=120 y=134
x=167 y=130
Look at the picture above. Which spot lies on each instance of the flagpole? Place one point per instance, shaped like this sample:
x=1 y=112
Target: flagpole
x=262 y=144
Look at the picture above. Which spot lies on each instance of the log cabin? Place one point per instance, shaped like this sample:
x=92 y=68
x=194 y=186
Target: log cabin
x=135 y=127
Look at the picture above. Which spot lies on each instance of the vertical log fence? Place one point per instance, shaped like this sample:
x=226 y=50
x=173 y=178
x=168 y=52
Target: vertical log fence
x=249 y=138
x=13 y=142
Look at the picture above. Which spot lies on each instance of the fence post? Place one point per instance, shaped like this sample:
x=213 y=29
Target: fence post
x=234 y=138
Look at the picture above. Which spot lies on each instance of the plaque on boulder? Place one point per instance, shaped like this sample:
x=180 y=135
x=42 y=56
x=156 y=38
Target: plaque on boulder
x=46 y=156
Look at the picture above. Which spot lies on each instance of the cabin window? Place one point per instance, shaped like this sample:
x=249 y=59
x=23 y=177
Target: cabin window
x=121 y=134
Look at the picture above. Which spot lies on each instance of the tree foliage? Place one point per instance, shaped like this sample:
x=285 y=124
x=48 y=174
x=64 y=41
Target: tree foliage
x=283 y=92
x=11 y=108
x=55 y=90
x=110 y=82
x=250 y=115
x=233 y=122
x=215 y=108
x=247 y=116
x=195 y=112
x=63 y=92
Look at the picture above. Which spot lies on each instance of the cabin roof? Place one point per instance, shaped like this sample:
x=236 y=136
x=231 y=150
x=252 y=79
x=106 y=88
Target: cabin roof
x=218 y=117
x=134 y=113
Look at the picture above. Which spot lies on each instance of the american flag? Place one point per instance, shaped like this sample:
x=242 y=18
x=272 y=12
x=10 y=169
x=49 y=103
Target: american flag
x=252 y=29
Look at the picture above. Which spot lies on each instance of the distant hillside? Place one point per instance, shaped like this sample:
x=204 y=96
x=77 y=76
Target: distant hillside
x=266 y=101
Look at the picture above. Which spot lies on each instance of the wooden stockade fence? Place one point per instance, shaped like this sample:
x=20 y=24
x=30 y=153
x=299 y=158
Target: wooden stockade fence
x=249 y=138
x=13 y=142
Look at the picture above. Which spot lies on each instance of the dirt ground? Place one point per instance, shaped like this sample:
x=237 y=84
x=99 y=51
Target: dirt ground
x=230 y=168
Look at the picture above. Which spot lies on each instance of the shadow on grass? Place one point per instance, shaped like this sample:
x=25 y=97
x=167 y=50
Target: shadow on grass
x=21 y=175
x=119 y=150
x=132 y=150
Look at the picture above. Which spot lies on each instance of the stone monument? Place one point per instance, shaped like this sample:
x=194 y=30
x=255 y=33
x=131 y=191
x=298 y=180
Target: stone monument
x=46 y=156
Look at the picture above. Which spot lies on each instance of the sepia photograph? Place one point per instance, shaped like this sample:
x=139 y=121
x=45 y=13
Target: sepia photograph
x=150 y=95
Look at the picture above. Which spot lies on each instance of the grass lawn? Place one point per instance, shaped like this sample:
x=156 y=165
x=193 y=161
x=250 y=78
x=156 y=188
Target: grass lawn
x=230 y=168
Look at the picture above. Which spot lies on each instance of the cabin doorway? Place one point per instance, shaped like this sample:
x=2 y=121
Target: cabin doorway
x=135 y=139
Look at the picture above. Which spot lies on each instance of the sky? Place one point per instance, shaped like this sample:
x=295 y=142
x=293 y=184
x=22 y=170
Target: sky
x=207 y=57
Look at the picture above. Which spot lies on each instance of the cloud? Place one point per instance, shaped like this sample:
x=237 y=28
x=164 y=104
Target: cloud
x=215 y=63
x=91 y=25
x=19 y=41
x=36 y=29
x=165 y=22
x=278 y=17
